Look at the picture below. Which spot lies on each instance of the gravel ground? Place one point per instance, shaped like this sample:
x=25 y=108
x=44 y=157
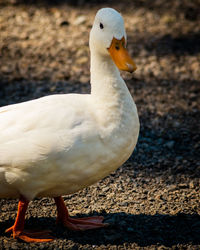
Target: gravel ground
x=152 y=201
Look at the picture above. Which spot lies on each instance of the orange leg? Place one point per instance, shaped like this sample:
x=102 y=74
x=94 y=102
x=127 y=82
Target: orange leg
x=17 y=230
x=80 y=224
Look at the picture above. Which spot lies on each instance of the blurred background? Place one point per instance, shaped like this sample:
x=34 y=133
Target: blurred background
x=44 y=50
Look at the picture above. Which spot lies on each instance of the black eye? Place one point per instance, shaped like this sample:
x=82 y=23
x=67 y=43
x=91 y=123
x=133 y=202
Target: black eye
x=101 y=26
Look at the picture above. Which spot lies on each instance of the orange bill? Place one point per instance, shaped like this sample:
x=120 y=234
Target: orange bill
x=120 y=55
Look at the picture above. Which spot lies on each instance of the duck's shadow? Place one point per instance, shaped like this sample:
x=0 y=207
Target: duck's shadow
x=141 y=229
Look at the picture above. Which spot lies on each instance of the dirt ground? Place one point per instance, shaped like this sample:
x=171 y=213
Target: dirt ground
x=152 y=201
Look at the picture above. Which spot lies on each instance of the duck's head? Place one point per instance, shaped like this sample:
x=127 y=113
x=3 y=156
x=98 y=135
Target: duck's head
x=108 y=37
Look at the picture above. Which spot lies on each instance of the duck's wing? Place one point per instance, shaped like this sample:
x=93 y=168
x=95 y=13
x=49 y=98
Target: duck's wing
x=33 y=130
x=46 y=141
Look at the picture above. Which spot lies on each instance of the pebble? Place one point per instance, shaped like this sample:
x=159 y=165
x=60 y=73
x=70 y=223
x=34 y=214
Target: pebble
x=80 y=20
x=169 y=144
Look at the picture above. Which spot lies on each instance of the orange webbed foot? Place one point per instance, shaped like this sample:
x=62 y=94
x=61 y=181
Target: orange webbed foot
x=79 y=224
x=30 y=235
x=82 y=224
x=17 y=230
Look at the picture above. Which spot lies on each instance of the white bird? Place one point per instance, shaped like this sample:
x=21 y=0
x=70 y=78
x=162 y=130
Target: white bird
x=59 y=144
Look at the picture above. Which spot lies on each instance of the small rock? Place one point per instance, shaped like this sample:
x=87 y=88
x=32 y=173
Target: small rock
x=105 y=189
x=124 y=204
x=79 y=20
x=191 y=184
x=183 y=185
x=160 y=141
x=6 y=69
x=172 y=188
x=169 y=144
x=130 y=229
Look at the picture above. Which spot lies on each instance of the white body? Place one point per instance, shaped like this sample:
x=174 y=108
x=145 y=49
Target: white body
x=59 y=144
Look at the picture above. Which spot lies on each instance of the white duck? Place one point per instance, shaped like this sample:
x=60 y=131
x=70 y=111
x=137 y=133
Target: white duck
x=59 y=144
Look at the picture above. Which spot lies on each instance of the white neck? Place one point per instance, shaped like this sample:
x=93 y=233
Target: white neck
x=105 y=77
x=112 y=99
